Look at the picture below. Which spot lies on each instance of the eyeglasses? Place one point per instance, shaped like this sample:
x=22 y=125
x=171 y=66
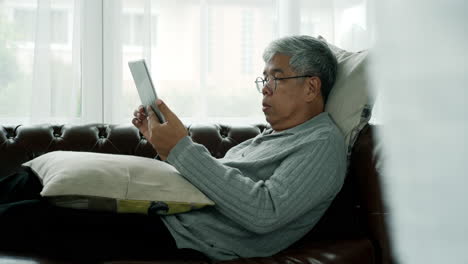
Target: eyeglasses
x=260 y=82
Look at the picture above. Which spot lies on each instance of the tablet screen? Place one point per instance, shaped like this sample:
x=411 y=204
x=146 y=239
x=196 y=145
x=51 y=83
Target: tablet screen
x=145 y=86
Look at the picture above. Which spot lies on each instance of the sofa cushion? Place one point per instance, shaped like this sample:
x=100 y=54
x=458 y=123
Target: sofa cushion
x=117 y=183
x=350 y=101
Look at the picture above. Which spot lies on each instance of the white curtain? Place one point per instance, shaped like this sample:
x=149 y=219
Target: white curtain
x=421 y=69
x=40 y=48
x=69 y=57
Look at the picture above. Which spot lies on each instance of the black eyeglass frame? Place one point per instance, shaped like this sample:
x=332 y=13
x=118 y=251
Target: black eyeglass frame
x=264 y=82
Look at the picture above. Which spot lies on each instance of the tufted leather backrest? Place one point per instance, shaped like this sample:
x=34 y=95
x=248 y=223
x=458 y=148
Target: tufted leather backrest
x=358 y=211
x=19 y=144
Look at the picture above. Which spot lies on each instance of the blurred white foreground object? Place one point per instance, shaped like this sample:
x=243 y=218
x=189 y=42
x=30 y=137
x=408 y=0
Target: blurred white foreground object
x=420 y=64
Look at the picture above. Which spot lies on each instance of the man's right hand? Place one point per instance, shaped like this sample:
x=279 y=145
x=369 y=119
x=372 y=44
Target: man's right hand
x=140 y=121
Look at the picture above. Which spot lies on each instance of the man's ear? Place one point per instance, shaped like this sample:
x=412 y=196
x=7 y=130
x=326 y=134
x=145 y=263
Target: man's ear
x=313 y=88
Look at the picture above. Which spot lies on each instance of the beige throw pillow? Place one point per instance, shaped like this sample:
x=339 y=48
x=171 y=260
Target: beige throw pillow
x=350 y=101
x=117 y=183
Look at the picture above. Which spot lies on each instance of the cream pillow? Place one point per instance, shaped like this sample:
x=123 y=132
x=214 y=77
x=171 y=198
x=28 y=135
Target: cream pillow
x=117 y=183
x=350 y=103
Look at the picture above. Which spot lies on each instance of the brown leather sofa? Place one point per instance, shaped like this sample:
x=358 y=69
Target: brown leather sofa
x=352 y=231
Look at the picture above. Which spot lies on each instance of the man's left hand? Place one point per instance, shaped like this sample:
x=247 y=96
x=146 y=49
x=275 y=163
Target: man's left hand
x=164 y=136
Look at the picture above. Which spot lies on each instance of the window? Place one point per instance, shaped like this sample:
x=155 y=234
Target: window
x=247 y=41
x=60 y=26
x=67 y=60
x=132 y=29
x=23 y=20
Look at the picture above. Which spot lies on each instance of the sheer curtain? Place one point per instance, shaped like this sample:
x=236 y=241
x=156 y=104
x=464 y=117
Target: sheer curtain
x=67 y=59
x=40 y=52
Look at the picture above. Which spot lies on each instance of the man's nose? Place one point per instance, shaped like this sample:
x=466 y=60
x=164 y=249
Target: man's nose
x=266 y=90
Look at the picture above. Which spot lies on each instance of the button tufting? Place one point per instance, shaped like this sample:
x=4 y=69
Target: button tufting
x=223 y=131
x=102 y=132
x=10 y=133
x=57 y=131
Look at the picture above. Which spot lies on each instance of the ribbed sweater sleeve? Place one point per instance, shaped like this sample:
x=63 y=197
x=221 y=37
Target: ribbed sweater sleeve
x=303 y=179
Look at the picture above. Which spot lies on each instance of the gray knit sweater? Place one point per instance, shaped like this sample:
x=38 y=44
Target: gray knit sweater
x=269 y=191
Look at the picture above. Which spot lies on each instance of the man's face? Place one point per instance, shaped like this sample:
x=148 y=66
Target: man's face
x=285 y=107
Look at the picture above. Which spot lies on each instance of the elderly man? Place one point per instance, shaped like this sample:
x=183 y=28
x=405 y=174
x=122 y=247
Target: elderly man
x=270 y=190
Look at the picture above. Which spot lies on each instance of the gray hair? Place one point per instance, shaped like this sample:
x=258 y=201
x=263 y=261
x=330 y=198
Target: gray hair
x=309 y=56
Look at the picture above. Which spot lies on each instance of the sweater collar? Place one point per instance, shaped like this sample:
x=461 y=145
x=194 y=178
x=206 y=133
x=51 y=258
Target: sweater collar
x=301 y=127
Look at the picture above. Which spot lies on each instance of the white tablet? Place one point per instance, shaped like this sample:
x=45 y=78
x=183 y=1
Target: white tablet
x=145 y=87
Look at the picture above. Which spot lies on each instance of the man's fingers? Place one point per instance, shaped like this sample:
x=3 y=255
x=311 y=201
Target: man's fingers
x=150 y=112
x=142 y=111
x=139 y=115
x=151 y=117
x=136 y=122
x=168 y=114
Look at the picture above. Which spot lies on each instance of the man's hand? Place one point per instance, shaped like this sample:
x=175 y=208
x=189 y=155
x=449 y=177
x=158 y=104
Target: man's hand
x=140 y=121
x=164 y=136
